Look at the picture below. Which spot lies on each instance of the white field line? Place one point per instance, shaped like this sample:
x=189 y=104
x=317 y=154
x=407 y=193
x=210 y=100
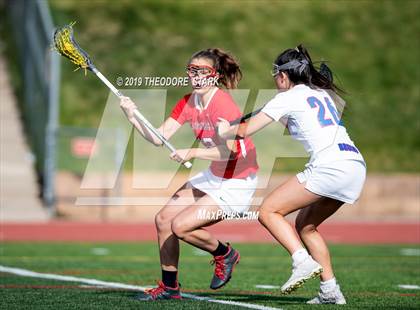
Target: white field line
x=100 y=251
x=199 y=252
x=409 y=286
x=410 y=252
x=33 y=274
x=267 y=286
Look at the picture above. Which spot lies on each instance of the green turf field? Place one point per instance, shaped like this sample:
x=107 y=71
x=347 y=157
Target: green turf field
x=369 y=276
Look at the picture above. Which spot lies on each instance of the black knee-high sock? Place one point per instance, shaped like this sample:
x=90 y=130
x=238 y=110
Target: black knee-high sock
x=169 y=278
x=220 y=250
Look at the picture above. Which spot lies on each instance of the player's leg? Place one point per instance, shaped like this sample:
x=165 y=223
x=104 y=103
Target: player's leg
x=188 y=226
x=168 y=242
x=168 y=288
x=307 y=222
x=287 y=198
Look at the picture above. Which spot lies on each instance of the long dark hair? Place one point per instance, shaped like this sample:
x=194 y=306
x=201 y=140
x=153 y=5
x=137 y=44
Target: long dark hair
x=224 y=63
x=301 y=70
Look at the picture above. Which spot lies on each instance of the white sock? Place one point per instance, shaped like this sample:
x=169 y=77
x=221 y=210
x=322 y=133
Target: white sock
x=329 y=285
x=299 y=256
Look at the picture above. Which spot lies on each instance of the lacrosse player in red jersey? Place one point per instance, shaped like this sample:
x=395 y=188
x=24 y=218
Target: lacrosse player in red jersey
x=307 y=105
x=228 y=184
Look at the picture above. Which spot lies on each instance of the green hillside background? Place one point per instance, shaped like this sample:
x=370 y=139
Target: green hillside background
x=371 y=46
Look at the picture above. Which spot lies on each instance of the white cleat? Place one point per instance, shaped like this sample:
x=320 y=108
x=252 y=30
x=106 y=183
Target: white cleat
x=306 y=270
x=333 y=297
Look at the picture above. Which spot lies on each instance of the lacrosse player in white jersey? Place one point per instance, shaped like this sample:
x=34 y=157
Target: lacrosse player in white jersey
x=307 y=104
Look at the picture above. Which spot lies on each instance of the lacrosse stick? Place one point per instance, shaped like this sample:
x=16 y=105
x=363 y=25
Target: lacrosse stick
x=65 y=44
x=245 y=117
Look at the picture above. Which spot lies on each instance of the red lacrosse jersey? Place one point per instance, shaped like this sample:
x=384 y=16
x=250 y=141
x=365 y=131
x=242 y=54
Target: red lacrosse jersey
x=203 y=122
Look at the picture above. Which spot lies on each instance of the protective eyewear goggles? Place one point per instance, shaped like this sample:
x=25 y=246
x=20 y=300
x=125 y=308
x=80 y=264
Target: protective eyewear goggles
x=201 y=71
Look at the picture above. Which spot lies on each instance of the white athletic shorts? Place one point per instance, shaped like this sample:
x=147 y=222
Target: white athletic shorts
x=231 y=195
x=341 y=180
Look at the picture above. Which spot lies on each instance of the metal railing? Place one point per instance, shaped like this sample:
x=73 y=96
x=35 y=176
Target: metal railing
x=32 y=29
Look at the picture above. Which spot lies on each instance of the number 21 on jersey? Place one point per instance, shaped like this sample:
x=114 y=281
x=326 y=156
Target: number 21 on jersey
x=323 y=120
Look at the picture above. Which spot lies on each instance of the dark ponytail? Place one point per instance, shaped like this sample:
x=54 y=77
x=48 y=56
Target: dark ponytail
x=225 y=65
x=298 y=65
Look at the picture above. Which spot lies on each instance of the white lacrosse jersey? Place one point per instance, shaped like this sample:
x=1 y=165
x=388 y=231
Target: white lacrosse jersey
x=311 y=117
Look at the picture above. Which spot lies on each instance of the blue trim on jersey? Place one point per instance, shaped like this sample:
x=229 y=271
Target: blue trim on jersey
x=347 y=147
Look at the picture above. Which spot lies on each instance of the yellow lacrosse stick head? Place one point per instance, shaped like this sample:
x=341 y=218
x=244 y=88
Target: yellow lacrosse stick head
x=65 y=44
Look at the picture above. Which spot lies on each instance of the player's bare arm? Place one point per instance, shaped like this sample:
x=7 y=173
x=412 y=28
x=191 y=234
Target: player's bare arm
x=243 y=130
x=221 y=152
x=167 y=129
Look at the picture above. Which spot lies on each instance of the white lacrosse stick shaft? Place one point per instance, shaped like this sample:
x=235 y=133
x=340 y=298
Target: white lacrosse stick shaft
x=138 y=115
